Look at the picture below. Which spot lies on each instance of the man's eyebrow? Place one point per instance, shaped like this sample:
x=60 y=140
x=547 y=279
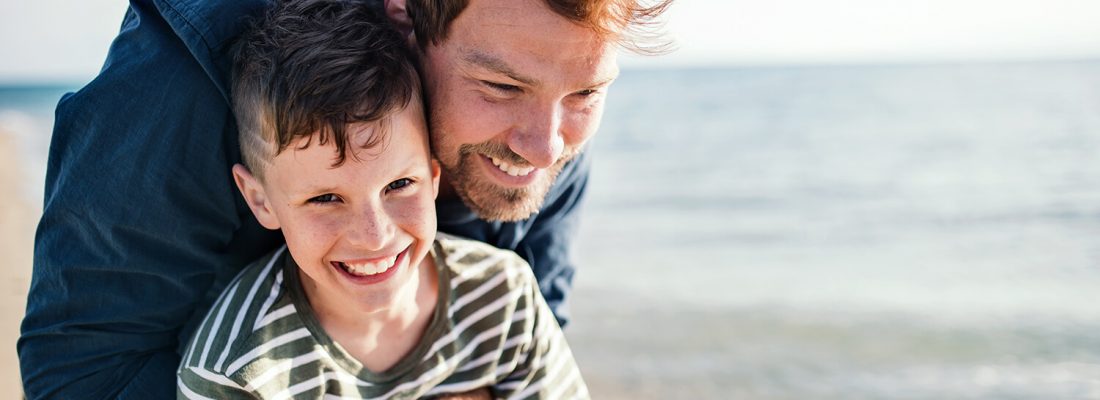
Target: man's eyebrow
x=497 y=65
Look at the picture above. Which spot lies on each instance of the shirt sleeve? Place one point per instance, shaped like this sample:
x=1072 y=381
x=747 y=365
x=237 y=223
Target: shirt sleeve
x=549 y=242
x=139 y=218
x=546 y=368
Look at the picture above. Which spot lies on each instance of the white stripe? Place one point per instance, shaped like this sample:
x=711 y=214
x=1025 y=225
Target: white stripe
x=214 y=377
x=187 y=392
x=479 y=268
x=453 y=258
x=552 y=371
x=529 y=390
x=510 y=343
x=283 y=366
x=275 y=315
x=474 y=294
x=460 y=387
x=247 y=303
x=270 y=299
x=582 y=392
x=266 y=347
x=301 y=360
x=567 y=383
x=511 y=385
x=476 y=316
x=503 y=372
x=555 y=357
x=301 y=387
x=217 y=324
x=206 y=319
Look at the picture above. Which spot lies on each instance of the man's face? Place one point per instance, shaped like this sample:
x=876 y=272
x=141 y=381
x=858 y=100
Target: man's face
x=514 y=92
x=359 y=231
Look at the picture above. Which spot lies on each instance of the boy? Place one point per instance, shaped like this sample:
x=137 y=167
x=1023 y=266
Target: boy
x=364 y=301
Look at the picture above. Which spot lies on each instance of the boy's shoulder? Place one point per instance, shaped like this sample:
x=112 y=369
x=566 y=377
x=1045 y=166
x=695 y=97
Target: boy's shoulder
x=251 y=311
x=474 y=260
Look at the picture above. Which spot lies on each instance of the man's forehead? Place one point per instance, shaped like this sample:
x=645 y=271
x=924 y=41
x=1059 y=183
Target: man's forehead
x=596 y=68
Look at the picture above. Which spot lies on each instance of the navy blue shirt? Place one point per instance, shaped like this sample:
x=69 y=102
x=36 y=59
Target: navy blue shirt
x=142 y=224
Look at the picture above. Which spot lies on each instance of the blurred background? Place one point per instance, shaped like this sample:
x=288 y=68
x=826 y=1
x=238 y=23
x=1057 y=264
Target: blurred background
x=853 y=199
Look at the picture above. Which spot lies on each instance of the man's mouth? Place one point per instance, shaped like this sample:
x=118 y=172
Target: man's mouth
x=509 y=168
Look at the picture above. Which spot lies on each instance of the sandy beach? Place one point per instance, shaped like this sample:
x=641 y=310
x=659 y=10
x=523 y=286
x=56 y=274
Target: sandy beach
x=16 y=242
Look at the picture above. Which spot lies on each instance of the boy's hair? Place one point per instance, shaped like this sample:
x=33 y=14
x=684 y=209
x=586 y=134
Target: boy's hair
x=631 y=23
x=315 y=66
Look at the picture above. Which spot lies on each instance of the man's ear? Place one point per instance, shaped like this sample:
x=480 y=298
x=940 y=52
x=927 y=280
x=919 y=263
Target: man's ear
x=255 y=197
x=395 y=10
x=435 y=178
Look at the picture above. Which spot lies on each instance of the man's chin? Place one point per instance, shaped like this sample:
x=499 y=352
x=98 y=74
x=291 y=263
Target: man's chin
x=492 y=203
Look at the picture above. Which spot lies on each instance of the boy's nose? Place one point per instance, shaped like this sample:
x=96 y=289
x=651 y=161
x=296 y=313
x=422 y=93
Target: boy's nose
x=371 y=230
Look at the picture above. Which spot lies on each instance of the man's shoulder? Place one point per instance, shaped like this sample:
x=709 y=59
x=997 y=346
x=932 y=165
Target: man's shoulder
x=571 y=181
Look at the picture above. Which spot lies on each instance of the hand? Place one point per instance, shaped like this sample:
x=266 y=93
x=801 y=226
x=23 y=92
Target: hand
x=476 y=394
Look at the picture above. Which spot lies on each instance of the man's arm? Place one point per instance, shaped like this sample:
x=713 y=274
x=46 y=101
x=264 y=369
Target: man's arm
x=139 y=211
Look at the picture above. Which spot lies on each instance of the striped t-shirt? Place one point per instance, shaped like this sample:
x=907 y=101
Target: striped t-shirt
x=491 y=328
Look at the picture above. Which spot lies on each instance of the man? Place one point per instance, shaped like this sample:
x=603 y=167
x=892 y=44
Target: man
x=141 y=218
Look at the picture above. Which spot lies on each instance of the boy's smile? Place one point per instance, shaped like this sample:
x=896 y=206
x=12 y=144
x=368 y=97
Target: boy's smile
x=368 y=271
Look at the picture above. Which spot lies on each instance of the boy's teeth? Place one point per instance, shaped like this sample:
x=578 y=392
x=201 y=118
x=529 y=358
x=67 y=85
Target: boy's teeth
x=368 y=268
x=511 y=169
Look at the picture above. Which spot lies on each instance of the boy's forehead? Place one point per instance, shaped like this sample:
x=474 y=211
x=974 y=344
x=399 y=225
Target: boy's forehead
x=367 y=142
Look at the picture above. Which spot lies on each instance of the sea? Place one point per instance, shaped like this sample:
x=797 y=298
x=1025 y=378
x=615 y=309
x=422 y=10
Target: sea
x=825 y=232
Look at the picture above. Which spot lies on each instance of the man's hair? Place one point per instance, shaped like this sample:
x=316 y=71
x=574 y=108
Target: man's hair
x=313 y=67
x=631 y=23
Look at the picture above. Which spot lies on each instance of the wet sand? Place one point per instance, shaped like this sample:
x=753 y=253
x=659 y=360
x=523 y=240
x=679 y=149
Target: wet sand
x=16 y=242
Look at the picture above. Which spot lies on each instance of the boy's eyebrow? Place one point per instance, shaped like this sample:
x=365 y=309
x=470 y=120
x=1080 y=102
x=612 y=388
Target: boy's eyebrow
x=312 y=190
x=497 y=65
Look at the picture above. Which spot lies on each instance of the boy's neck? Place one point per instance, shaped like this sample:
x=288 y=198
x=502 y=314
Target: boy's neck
x=379 y=340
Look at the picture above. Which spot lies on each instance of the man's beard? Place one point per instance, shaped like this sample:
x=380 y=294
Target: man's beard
x=487 y=199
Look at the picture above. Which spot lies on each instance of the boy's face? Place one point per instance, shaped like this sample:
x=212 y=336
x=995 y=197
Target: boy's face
x=358 y=231
x=515 y=91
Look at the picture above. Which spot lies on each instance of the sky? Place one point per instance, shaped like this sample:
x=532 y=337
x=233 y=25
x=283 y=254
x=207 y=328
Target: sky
x=50 y=40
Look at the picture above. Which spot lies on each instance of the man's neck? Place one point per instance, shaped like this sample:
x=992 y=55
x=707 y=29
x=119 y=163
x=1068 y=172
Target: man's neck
x=446 y=190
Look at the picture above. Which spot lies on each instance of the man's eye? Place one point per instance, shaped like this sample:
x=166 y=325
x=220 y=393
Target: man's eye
x=587 y=92
x=502 y=87
x=399 y=184
x=325 y=198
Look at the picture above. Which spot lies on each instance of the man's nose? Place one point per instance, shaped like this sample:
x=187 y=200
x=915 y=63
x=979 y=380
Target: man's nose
x=539 y=139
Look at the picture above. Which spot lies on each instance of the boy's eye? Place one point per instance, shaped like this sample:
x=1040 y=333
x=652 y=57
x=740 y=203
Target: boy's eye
x=399 y=184
x=324 y=198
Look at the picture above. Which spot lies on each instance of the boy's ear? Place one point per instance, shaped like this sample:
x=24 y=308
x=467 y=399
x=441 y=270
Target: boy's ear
x=435 y=178
x=395 y=11
x=255 y=197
